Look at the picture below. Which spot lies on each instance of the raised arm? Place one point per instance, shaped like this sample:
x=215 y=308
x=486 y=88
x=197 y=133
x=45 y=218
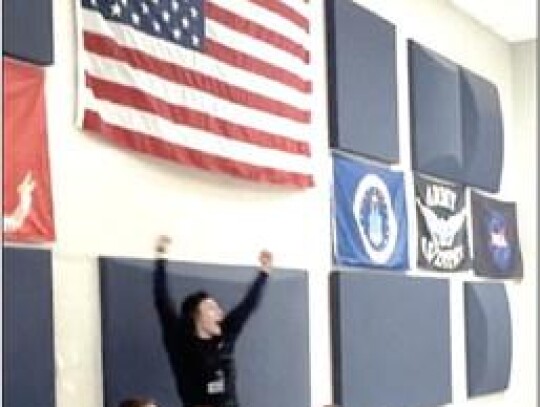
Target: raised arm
x=238 y=316
x=162 y=300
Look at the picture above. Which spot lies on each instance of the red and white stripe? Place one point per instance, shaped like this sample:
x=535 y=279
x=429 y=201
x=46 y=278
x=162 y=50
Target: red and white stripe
x=241 y=107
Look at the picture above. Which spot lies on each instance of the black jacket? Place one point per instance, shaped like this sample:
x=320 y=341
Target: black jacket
x=204 y=369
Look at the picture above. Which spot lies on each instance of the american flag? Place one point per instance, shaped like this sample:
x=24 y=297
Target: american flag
x=222 y=85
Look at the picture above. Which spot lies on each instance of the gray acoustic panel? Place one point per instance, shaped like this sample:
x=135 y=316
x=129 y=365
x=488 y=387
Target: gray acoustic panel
x=489 y=338
x=272 y=353
x=27 y=327
x=362 y=81
x=481 y=126
x=437 y=146
x=28 y=30
x=455 y=114
x=391 y=340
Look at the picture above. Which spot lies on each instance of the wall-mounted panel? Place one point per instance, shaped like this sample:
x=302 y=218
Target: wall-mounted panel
x=482 y=126
x=455 y=114
x=391 y=340
x=28 y=30
x=437 y=147
x=28 y=377
x=271 y=370
x=362 y=81
x=489 y=338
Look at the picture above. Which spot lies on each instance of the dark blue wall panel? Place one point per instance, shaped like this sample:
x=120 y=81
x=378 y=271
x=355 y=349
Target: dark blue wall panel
x=482 y=131
x=435 y=114
x=391 y=340
x=272 y=352
x=489 y=338
x=455 y=116
x=27 y=327
x=362 y=81
x=28 y=30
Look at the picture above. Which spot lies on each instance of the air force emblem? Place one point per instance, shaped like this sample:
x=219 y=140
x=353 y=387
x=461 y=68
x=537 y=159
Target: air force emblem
x=370 y=216
x=375 y=218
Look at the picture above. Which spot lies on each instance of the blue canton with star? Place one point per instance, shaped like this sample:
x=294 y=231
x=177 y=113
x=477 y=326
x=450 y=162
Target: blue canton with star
x=374 y=218
x=178 y=21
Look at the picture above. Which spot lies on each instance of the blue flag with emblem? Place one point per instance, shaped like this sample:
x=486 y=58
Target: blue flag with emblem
x=370 y=217
x=495 y=238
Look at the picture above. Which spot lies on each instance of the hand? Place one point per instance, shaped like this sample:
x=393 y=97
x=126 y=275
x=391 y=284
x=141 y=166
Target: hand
x=265 y=261
x=162 y=244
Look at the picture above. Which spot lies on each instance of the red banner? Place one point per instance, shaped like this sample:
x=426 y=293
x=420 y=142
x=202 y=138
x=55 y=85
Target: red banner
x=27 y=202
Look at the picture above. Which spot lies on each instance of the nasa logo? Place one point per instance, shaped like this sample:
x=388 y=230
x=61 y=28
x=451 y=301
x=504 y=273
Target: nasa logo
x=499 y=248
x=375 y=218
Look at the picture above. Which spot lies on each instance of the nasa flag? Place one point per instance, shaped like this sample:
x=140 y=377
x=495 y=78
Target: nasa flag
x=495 y=238
x=442 y=225
x=370 y=217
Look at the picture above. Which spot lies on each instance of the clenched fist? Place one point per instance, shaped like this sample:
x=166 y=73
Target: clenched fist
x=265 y=261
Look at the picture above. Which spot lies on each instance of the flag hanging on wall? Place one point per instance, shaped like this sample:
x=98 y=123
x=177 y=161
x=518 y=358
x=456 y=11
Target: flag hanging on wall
x=442 y=225
x=495 y=238
x=27 y=204
x=216 y=84
x=370 y=217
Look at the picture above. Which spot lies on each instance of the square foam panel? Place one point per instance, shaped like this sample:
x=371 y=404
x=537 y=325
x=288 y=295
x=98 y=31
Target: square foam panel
x=28 y=30
x=455 y=114
x=437 y=146
x=390 y=340
x=272 y=352
x=27 y=327
x=488 y=336
x=362 y=81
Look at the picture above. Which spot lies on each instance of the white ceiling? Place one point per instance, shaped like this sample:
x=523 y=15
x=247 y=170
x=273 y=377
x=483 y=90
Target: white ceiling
x=514 y=20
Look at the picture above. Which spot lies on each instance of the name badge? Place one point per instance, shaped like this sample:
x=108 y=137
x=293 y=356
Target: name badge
x=217 y=386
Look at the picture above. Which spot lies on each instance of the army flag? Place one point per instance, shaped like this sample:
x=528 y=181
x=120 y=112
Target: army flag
x=442 y=225
x=496 y=246
x=370 y=219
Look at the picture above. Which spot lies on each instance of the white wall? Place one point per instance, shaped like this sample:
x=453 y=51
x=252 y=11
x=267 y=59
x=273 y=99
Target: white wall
x=524 y=64
x=108 y=201
x=112 y=202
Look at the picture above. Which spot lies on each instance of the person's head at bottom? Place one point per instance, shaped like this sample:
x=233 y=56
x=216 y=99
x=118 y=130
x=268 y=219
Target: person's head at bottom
x=138 y=402
x=203 y=313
